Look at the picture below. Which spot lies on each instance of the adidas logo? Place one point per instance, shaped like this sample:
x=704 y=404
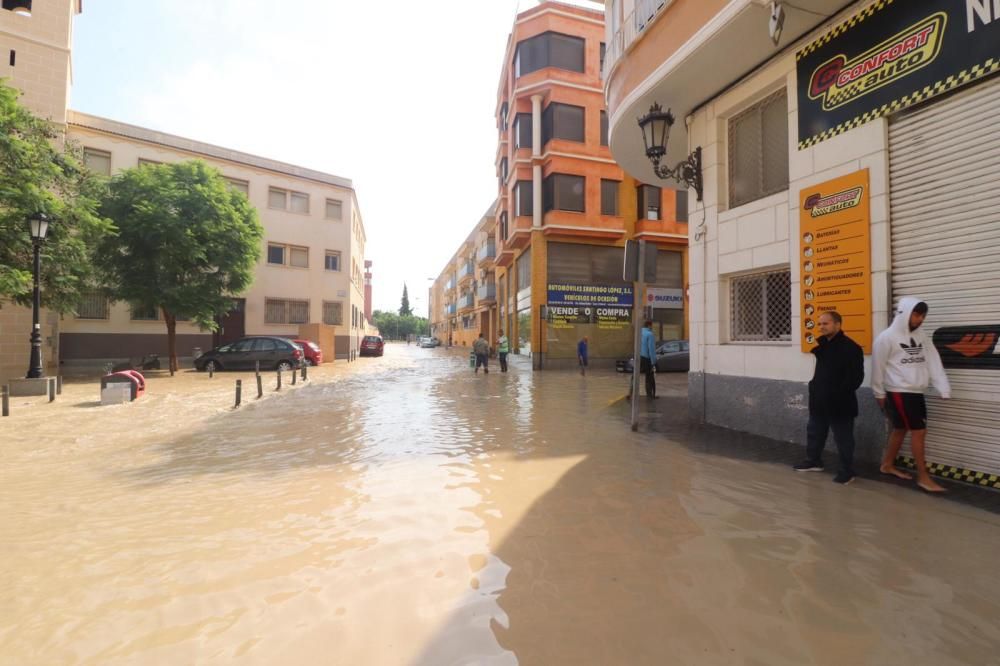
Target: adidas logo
x=914 y=352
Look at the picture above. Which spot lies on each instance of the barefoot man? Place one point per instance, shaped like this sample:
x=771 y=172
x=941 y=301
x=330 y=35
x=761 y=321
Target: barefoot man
x=904 y=364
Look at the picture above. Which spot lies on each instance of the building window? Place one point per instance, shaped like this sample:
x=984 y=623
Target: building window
x=279 y=199
x=93 y=305
x=609 y=197
x=503 y=226
x=98 y=161
x=239 y=185
x=333 y=313
x=276 y=254
x=523 y=198
x=334 y=209
x=681 y=206
x=648 y=202
x=141 y=313
x=758 y=150
x=761 y=307
x=562 y=121
x=604 y=128
x=604 y=53
x=524 y=270
x=503 y=171
x=549 y=49
x=503 y=117
x=144 y=162
x=298 y=257
x=282 y=311
x=522 y=130
x=563 y=192
x=332 y=261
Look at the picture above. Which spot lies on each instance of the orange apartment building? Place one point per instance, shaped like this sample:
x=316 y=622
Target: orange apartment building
x=565 y=207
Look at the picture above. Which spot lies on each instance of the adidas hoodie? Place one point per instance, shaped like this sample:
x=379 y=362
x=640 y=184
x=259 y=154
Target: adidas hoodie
x=905 y=361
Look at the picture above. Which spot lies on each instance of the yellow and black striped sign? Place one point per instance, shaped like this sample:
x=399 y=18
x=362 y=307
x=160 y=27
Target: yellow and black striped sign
x=891 y=55
x=954 y=473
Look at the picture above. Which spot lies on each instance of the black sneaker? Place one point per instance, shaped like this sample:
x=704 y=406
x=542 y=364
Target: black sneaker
x=843 y=478
x=808 y=467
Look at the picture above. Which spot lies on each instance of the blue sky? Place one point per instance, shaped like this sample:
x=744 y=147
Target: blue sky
x=396 y=95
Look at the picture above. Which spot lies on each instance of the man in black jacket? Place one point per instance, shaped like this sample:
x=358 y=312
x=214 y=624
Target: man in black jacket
x=832 y=402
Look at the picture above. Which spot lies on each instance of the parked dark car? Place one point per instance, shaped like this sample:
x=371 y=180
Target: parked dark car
x=273 y=353
x=372 y=345
x=671 y=356
x=312 y=351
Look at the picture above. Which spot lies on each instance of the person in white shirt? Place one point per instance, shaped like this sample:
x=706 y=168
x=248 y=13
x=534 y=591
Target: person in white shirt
x=904 y=363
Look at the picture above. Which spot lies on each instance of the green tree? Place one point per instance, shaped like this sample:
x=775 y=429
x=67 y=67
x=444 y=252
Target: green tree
x=38 y=175
x=186 y=243
x=404 y=304
x=395 y=327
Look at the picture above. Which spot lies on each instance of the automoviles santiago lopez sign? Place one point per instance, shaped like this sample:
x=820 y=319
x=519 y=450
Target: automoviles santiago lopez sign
x=891 y=55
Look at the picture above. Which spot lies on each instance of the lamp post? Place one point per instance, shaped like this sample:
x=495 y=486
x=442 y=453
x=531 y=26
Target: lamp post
x=39 y=226
x=655 y=127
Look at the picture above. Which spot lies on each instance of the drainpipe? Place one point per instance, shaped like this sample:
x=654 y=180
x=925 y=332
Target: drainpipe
x=536 y=161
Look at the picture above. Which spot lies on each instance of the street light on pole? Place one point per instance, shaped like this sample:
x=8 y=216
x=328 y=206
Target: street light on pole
x=38 y=226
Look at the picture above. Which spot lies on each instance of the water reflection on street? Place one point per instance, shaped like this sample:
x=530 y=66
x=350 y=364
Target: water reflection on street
x=416 y=513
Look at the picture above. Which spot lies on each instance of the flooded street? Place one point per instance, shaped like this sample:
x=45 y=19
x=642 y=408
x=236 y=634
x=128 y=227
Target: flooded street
x=414 y=513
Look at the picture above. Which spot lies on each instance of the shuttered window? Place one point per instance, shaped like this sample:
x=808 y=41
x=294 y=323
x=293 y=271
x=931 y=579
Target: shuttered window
x=758 y=150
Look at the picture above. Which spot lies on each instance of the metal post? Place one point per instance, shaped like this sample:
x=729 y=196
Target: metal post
x=5 y=399
x=260 y=387
x=305 y=373
x=52 y=389
x=211 y=370
x=35 y=364
x=294 y=375
x=239 y=392
x=279 y=381
x=637 y=317
x=59 y=381
x=256 y=367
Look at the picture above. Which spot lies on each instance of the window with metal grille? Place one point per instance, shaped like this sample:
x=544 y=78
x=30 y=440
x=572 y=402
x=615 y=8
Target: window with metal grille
x=93 y=305
x=333 y=313
x=604 y=128
x=280 y=311
x=98 y=161
x=758 y=150
x=761 y=307
x=609 y=197
x=144 y=313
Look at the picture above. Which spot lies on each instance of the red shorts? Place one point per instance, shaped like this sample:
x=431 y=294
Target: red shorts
x=907 y=411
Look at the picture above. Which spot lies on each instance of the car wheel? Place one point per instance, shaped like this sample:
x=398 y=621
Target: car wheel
x=284 y=366
x=212 y=366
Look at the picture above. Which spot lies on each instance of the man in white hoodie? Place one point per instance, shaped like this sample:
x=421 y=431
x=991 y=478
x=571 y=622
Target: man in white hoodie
x=904 y=364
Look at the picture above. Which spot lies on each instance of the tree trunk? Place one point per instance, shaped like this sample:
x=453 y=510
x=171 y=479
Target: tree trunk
x=171 y=339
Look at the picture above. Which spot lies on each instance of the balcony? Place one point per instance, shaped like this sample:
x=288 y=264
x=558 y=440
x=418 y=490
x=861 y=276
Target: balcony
x=487 y=292
x=486 y=253
x=450 y=285
x=450 y=309
x=466 y=272
x=628 y=32
x=467 y=302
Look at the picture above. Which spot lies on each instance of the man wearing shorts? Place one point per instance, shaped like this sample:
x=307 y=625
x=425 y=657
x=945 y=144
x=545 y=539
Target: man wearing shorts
x=482 y=351
x=904 y=364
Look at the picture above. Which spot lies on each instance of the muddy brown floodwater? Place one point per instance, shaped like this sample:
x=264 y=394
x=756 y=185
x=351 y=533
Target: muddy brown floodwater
x=406 y=511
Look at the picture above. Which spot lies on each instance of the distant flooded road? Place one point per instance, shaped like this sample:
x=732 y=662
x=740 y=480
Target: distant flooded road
x=416 y=513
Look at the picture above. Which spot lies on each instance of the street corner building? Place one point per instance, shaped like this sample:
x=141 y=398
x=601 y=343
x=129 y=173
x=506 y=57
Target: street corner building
x=544 y=265
x=310 y=279
x=848 y=161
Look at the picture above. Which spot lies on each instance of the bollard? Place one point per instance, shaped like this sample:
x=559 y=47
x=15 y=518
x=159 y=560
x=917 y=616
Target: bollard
x=52 y=390
x=211 y=370
x=58 y=384
x=256 y=367
x=260 y=387
x=305 y=374
x=279 y=381
x=5 y=398
x=294 y=375
x=239 y=392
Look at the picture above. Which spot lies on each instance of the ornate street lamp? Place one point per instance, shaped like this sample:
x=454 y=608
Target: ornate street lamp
x=39 y=227
x=655 y=127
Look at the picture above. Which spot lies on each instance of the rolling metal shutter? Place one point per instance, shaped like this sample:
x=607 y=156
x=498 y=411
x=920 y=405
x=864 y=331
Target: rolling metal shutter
x=944 y=163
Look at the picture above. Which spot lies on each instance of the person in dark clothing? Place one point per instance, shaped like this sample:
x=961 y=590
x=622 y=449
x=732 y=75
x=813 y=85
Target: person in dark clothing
x=581 y=354
x=833 y=404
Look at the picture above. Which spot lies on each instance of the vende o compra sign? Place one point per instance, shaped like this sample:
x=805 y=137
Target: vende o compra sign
x=891 y=55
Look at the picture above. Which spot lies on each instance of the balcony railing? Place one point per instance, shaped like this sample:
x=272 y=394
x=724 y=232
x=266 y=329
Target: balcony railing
x=488 y=292
x=467 y=301
x=632 y=26
x=450 y=284
x=450 y=309
x=468 y=270
x=487 y=251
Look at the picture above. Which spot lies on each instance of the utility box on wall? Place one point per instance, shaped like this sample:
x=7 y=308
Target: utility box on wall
x=323 y=335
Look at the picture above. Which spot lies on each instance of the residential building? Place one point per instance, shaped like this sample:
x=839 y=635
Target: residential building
x=849 y=160
x=311 y=256
x=36 y=60
x=565 y=208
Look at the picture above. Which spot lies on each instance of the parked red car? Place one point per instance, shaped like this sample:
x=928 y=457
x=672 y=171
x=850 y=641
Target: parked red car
x=312 y=351
x=372 y=345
